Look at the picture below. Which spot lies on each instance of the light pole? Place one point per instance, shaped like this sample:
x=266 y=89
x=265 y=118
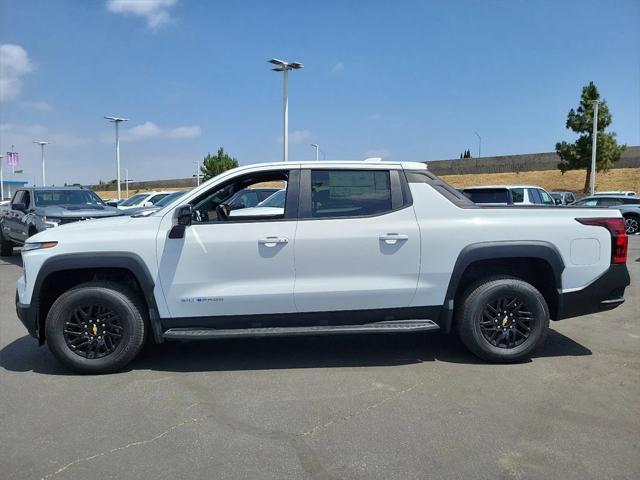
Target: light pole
x=284 y=67
x=1 y=179
x=126 y=181
x=42 y=144
x=317 y=147
x=197 y=172
x=479 y=146
x=117 y=121
x=594 y=145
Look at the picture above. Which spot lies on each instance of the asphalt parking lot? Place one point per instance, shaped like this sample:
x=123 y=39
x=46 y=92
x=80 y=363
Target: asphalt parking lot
x=368 y=407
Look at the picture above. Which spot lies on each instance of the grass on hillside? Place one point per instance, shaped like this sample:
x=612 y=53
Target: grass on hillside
x=550 y=180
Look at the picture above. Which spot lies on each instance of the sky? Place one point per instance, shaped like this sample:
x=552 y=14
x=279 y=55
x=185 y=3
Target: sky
x=404 y=80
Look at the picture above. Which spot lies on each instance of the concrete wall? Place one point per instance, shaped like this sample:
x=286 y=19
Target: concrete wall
x=518 y=163
x=630 y=158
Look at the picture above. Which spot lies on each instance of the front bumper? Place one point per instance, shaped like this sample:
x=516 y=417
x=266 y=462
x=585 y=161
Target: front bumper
x=28 y=315
x=606 y=293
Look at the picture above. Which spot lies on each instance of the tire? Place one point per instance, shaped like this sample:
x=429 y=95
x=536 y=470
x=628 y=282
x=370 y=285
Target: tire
x=6 y=246
x=632 y=224
x=502 y=337
x=80 y=312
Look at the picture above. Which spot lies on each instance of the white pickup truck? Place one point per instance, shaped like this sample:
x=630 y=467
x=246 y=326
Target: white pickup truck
x=360 y=247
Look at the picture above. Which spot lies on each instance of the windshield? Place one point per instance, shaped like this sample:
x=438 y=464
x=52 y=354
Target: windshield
x=275 y=200
x=137 y=198
x=44 y=198
x=168 y=199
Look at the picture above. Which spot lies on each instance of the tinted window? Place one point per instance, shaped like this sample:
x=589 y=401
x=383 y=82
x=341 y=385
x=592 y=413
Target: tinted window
x=570 y=198
x=18 y=197
x=587 y=202
x=348 y=193
x=487 y=195
x=546 y=198
x=156 y=198
x=137 y=198
x=609 y=202
x=517 y=194
x=628 y=200
x=45 y=198
x=534 y=196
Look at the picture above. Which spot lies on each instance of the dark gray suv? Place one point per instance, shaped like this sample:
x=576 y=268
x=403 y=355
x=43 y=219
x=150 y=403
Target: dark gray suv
x=35 y=209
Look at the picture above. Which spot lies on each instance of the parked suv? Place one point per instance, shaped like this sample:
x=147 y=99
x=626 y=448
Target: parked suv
x=359 y=247
x=509 y=195
x=563 y=198
x=35 y=209
x=628 y=206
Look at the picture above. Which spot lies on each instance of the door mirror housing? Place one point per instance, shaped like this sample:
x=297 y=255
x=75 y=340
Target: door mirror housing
x=558 y=201
x=19 y=206
x=184 y=215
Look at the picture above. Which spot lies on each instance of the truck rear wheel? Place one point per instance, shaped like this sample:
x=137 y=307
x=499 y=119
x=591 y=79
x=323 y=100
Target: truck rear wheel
x=97 y=327
x=502 y=319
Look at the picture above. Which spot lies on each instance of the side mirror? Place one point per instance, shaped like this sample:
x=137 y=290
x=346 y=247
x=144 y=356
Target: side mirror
x=19 y=206
x=558 y=201
x=184 y=215
x=147 y=204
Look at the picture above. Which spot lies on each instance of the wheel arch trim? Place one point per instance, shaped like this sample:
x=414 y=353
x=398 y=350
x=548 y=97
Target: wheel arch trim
x=87 y=260
x=534 y=249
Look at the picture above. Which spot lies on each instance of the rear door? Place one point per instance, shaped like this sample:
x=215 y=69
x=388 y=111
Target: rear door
x=357 y=243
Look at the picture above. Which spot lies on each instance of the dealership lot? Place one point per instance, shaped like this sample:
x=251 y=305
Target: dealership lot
x=387 y=407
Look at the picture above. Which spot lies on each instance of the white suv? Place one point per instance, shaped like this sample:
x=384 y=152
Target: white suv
x=359 y=247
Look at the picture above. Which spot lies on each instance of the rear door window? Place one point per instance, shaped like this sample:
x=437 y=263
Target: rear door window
x=609 y=202
x=350 y=193
x=534 y=196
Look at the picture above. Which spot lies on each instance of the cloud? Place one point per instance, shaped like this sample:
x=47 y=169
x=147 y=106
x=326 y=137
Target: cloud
x=23 y=135
x=148 y=130
x=155 y=12
x=38 y=105
x=298 y=136
x=14 y=64
x=337 y=68
x=376 y=152
x=185 y=132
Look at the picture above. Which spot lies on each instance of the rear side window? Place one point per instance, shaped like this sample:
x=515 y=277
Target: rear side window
x=534 y=196
x=349 y=193
x=609 y=202
x=487 y=195
x=517 y=194
x=633 y=201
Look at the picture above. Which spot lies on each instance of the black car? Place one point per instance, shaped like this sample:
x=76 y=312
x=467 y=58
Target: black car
x=35 y=209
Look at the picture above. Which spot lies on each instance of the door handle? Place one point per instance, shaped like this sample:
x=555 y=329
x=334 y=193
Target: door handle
x=273 y=241
x=393 y=238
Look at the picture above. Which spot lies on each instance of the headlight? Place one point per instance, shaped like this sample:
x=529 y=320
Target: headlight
x=29 y=246
x=50 y=222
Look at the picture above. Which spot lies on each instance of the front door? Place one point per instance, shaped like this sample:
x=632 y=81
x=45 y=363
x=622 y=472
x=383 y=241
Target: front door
x=359 y=246
x=226 y=265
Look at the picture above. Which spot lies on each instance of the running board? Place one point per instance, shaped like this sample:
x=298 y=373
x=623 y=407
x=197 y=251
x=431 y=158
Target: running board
x=396 y=326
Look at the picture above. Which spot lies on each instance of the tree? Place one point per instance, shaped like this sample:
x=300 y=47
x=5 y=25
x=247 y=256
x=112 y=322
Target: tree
x=577 y=155
x=213 y=165
x=466 y=154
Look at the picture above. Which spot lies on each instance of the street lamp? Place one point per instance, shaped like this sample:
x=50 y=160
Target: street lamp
x=42 y=144
x=282 y=66
x=197 y=164
x=594 y=145
x=317 y=147
x=117 y=121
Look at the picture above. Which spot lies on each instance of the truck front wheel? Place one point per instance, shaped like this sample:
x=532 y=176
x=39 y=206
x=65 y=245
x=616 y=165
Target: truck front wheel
x=96 y=327
x=502 y=319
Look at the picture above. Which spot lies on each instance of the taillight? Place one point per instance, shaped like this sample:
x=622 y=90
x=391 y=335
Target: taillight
x=619 y=238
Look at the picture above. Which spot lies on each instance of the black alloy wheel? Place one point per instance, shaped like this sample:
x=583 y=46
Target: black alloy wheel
x=93 y=330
